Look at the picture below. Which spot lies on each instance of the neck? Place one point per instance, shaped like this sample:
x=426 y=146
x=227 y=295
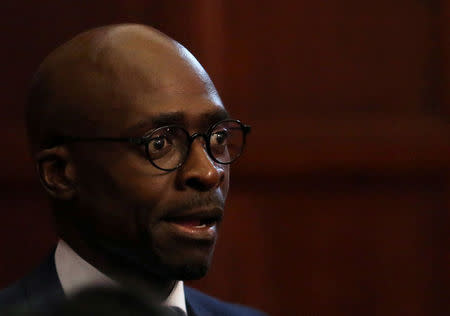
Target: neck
x=118 y=265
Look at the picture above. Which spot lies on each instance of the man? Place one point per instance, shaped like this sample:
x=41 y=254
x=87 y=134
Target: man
x=133 y=145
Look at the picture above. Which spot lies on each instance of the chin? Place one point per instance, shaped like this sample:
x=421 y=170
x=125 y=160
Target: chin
x=188 y=265
x=180 y=261
x=185 y=260
x=190 y=272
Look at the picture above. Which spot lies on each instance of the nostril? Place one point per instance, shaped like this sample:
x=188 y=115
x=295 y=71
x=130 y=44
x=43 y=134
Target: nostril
x=197 y=184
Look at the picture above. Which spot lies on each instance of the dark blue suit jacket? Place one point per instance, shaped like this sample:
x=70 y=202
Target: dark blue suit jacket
x=41 y=291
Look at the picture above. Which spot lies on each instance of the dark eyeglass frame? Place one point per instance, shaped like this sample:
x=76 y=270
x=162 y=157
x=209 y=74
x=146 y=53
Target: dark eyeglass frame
x=145 y=140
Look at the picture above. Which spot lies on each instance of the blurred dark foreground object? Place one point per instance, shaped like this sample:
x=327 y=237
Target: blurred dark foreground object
x=102 y=301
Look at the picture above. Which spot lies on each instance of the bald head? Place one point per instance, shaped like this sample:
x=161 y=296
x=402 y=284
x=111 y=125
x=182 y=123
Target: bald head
x=84 y=83
x=126 y=90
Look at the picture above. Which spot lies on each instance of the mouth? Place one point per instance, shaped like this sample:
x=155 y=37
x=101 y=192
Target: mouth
x=195 y=224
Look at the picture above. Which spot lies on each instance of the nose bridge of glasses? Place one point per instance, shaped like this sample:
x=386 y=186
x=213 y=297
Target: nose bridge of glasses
x=197 y=135
x=204 y=141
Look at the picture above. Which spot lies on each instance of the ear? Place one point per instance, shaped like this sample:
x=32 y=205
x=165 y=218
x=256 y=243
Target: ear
x=56 y=172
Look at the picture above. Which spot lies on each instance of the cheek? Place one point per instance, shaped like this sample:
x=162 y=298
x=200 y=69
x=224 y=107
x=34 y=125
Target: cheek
x=224 y=186
x=113 y=195
x=137 y=190
x=128 y=176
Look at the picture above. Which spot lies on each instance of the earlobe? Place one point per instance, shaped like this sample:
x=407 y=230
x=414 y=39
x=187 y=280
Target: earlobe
x=56 y=172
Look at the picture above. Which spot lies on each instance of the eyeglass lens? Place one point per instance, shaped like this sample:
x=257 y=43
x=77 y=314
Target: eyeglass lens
x=226 y=141
x=168 y=147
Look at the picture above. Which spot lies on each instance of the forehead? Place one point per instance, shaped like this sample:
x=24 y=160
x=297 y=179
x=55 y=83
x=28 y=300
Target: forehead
x=193 y=111
x=145 y=82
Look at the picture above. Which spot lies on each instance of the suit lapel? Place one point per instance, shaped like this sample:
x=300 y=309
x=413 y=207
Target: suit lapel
x=194 y=306
x=43 y=288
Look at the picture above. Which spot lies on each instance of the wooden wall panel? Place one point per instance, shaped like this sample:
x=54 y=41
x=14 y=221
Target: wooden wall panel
x=322 y=56
x=340 y=206
x=443 y=28
x=345 y=247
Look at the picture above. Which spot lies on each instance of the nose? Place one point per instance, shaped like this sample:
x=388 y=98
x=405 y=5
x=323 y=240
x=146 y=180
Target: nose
x=199 y=171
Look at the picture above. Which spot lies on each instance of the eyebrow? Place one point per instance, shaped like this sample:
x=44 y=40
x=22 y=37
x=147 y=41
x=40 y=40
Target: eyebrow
x=174 y=118
x=178 y=118
x=215 y=116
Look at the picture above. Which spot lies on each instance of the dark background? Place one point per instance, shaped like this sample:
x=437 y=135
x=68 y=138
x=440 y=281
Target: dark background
x=340 y=205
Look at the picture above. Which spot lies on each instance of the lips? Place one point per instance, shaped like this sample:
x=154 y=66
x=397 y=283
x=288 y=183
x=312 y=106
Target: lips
x=195 y=224
x=197 y=217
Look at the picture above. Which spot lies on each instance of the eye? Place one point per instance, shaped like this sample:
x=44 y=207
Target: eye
x=159 y=146
x=219 y=138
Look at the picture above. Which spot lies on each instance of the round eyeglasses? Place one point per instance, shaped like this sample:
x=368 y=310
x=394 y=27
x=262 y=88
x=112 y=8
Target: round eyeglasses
x=168 y=147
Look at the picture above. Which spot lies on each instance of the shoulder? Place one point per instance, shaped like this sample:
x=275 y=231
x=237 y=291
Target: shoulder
x=14 y=296
x=203 y=304
x=37 y=290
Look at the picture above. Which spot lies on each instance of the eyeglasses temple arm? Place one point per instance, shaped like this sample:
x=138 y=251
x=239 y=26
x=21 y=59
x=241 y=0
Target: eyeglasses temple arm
x=69 y=139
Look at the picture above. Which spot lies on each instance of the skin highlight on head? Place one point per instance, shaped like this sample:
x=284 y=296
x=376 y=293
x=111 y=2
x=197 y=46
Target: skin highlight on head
x=109 y=201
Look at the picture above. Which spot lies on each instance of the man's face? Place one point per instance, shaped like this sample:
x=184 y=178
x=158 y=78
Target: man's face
x=165 y=221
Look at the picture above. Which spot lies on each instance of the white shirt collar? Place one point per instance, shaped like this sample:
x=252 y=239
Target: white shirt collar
x=75 y=273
